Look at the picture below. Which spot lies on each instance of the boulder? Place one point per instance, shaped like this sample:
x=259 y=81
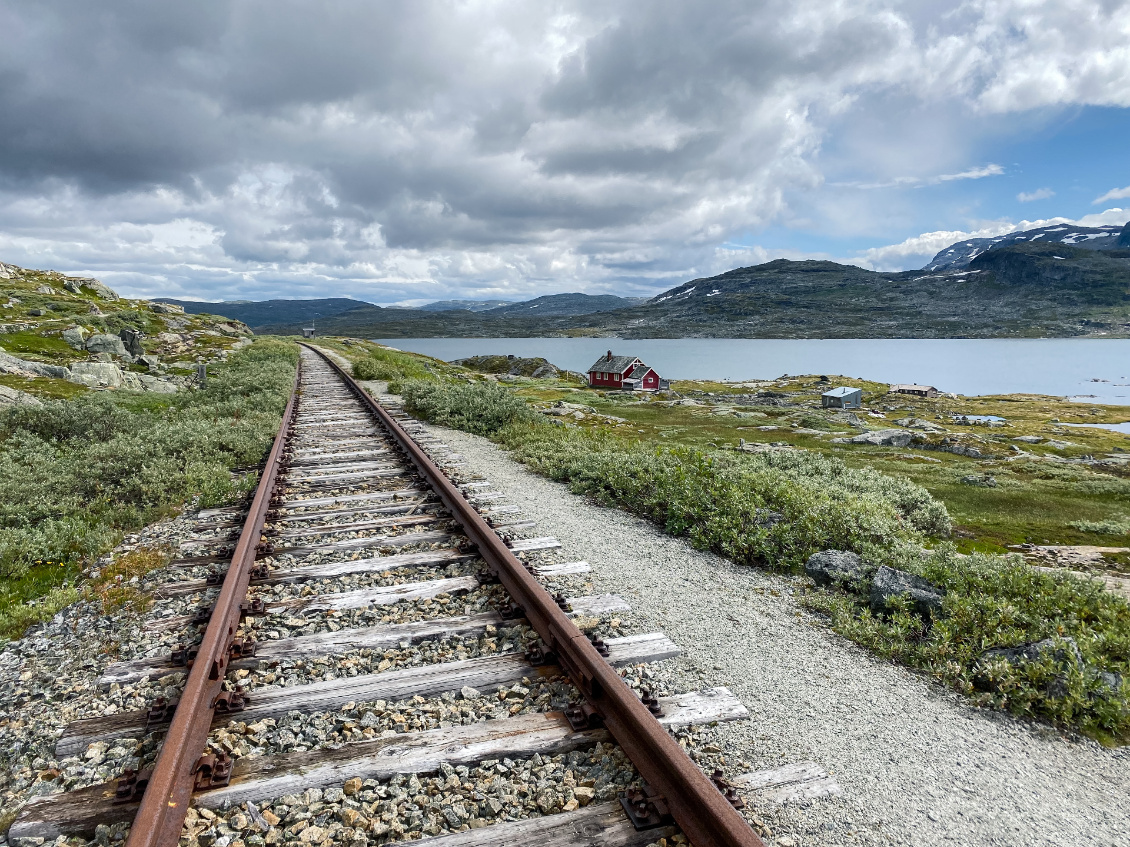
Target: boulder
x=880 y=438
x=160 y=386
x=981 y=480
x=150 y=361
x=15 y=397
x=103 y=343
x=75 y=337
x=1063 y=651
x=44 y=289
x=131 y=381
x=836 y=567
x=13 y=365
x=889 y=583
x=101 y=373
x=101 y=289
x=131 y=338
x=166 y=309
x=37 y=313
x=1028 y=439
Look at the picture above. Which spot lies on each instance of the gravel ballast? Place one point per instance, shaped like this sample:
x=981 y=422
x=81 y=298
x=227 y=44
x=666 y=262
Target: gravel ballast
x=917 y=764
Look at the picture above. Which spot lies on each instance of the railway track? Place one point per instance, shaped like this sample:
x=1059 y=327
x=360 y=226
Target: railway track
x=375 y=648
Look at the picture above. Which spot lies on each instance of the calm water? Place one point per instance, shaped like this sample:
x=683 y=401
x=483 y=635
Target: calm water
x=1057 y=366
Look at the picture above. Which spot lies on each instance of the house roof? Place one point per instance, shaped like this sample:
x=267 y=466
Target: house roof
x=617 y=364
x=913 y=388
x=639 y=372
x=841 y=391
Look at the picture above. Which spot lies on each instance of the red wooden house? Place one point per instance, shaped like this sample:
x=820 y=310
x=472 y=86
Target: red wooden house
x=625 y=373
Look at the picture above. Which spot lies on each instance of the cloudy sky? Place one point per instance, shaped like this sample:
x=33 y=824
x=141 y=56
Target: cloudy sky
x=402 y=152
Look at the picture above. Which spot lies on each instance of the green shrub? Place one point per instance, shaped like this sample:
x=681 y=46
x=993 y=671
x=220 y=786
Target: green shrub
x=1107 y=527
x=772 y=509
x=391 y=366
x=76 y=474
x=999 y=601
x=481 y=408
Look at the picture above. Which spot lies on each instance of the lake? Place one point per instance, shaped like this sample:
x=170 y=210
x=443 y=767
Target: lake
x=1087 y=369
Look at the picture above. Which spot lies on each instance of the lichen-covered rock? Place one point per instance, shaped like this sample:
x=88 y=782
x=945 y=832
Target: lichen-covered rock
x=166 y=309
x=836 y=567
x=160 y=386
x=889 y=583
x=102 y=373
x=104 y=343
x=880 y=438
x=15 y=397
x=75 y=337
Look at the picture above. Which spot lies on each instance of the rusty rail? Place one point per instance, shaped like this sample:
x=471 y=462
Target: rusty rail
x=697 y=806
x=164 y=804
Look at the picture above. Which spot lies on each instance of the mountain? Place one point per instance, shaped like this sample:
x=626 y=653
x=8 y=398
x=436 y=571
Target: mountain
x=255 y=313
x=469 y=305
x=959 y=255
x=567 y=304
x=1026 y=289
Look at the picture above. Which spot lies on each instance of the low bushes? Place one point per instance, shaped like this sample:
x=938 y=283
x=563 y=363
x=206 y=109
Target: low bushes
x=771 y=509
x=778 y=508
x=999 y=601
x=391 y=366
x=76 y=474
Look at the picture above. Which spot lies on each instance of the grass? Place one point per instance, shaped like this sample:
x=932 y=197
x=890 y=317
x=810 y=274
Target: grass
x=44 y=387
x=76 y=474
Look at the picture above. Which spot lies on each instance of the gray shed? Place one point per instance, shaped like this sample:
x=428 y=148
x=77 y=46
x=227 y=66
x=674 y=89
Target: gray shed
x=842 y=398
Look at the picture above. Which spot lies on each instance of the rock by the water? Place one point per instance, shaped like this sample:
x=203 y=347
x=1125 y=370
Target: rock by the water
x=835 y=567
x=75 y=337
x=103 y=343
x=890 y=583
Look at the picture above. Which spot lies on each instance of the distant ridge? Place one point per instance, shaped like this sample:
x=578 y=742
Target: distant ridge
x=468 y=305
x=959 y=255
x=257 y=313
x=567 y=304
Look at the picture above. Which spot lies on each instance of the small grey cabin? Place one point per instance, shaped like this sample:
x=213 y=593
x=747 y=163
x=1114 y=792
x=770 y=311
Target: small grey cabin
x=842 y=398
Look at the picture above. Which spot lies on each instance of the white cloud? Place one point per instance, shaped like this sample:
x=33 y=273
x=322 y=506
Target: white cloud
x=1038 y=194
x=1114 y=194
x=916 y=181
x=427 y=149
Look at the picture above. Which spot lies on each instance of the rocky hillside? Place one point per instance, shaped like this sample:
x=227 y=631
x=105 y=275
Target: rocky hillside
x=257 y=313
x=566 y=304
x=958 y=256
x=62 y=335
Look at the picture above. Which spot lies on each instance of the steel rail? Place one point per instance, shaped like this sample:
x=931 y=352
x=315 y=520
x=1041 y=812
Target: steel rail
x=164 y=804
x=697 y=806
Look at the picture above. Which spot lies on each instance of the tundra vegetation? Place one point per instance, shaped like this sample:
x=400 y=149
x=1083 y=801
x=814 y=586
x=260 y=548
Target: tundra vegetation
x=76 y=474
x=914 y=508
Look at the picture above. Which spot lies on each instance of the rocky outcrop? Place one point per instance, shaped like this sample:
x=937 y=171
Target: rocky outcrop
x=131 y=338
x=20 y=367
x=925 y=597
x=880 y=438
x=75 y=337
x=166 y=309
x=103 y=343
x=15 y=397
x=75 y=284
x=837 y=567
x=96 y=374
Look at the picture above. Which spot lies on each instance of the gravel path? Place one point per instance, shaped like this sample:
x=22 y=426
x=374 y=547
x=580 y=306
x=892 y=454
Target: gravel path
x=917 y=764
